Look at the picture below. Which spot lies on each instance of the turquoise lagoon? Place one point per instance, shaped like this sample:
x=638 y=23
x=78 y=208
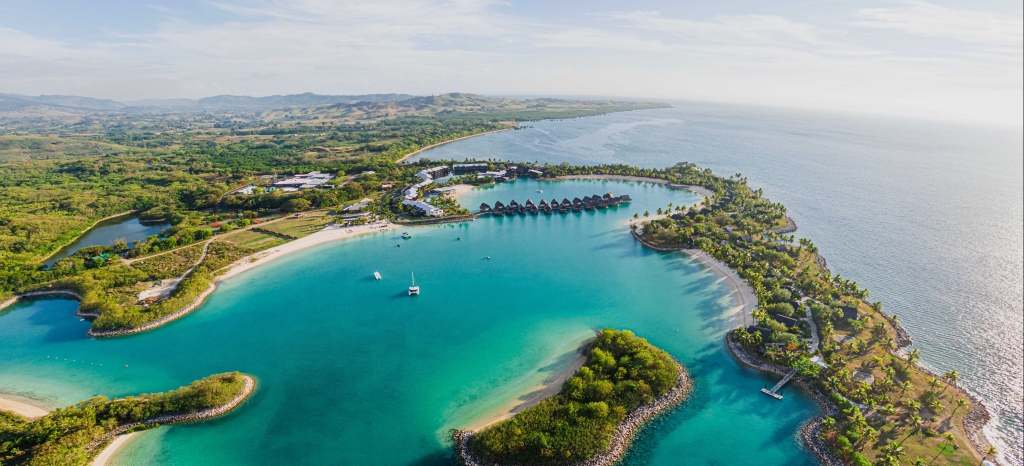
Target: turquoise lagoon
x=354 y=371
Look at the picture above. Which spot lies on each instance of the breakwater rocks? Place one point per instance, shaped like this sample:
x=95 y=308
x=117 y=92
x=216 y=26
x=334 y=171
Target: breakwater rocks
x=31 y=294
x=789 y=228
x=624 y=431
x=158 y=322
x=811 y=431
x=250 y=386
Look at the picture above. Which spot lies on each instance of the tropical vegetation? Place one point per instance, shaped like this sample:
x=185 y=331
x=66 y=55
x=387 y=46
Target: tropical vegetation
x=622 y=372
x=74 y=435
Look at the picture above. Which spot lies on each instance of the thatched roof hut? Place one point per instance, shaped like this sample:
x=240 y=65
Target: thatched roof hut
x=484 y=207
x=624 y=198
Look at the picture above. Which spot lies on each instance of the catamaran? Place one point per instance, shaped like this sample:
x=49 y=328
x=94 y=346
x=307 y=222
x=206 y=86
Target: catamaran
x=414 y=290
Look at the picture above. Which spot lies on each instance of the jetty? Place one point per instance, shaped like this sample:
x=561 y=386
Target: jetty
x=595 y=202
x=773 y=392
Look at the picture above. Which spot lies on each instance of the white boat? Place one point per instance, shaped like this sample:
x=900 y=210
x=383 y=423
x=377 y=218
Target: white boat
x=376 y=275
x=540 y=191
x=414 y=290
x=406 y=235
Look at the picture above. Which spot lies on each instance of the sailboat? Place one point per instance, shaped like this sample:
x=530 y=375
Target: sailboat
x=414 y=290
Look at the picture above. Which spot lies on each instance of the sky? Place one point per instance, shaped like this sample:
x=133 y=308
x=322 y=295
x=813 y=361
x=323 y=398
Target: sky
x=951 y=60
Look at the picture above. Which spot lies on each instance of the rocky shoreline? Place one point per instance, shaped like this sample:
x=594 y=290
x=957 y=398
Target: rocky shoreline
x=250 y=386
x=624 y=431
x=811 y=430
x=158 y=322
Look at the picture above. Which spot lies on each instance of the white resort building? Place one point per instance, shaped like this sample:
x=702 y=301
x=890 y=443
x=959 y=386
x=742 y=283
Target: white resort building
x=426 y=209
x=304 y=181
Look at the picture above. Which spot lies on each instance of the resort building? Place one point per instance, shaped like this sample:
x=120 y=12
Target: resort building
x=423 y=208
x=357 y=207
x=469 y=167
x=305 y=181
x=435 y=172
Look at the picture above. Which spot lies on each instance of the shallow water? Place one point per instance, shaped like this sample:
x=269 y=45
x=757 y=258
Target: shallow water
x=354 y=371
x=106 y=232
x=928 y=216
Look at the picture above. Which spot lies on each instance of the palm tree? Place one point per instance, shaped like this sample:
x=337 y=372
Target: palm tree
x=951 y=378
x=960 y=403
x=919 y=462
x=912 y=357
x=889 y=343
x=906 y=387
x=894 y=450
x=949 y=438
x=935 y=405
x=989 y=451
x=934 y=383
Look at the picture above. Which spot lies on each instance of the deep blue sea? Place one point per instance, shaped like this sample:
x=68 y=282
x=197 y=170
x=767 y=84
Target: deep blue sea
x=928 y=216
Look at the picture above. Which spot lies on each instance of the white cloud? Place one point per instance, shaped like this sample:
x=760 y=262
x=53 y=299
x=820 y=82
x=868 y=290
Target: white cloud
x=925 y=19
x=274 y=47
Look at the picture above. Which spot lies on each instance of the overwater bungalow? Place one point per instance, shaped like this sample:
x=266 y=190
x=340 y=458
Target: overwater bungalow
x=589 y=206
x=554 y=203
x=484 y=208
x=607 y=196
x=499 y=209
x=624 y=198
x=513 y=205
x=602 y=204
x=565 y=203
x=613 y=201
x=543 y=204
x=529 y=203
x=587 y=199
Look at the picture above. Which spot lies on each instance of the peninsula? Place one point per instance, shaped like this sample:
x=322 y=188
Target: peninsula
x=73 y=436
x=879 y=405
x=625 y=382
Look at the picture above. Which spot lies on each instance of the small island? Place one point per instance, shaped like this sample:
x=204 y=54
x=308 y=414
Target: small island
x=75 y=435
x=625 y=382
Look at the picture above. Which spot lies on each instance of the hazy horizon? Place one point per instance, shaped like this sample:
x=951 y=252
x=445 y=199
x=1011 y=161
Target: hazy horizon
x=950 y=60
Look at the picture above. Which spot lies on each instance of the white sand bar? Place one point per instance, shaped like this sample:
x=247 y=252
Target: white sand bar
x=25 y=409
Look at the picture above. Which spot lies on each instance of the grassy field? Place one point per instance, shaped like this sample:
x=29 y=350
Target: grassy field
x=253 y=239
x=309 y=223
x=170 y=264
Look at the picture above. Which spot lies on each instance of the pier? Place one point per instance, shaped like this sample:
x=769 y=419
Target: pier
x=772 y=393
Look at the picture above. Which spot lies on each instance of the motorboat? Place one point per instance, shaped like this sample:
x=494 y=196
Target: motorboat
x=376 y=275
x=406 y=235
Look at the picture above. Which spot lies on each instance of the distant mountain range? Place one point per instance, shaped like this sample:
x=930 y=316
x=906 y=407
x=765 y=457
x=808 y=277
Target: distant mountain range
x=16 y=103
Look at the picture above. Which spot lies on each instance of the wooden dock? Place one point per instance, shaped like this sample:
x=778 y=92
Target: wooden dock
x=772 y=393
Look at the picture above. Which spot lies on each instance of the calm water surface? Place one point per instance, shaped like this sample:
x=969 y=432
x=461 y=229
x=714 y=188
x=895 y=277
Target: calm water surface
x=928 y=216
x=106 y=232
x=354 y=371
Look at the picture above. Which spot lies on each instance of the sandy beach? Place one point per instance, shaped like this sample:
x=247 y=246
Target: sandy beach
x=330 y=233
x=28 y=410
x=108 y=452
x=743 y=295
x=452 y=140
x=548 y=388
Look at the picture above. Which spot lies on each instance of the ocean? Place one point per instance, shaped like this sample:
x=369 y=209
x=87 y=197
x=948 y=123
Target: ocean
x=928 y=216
